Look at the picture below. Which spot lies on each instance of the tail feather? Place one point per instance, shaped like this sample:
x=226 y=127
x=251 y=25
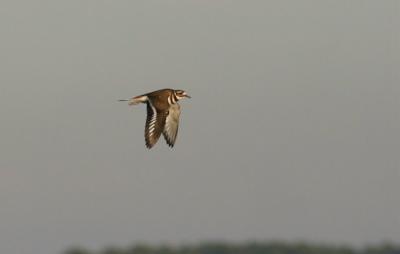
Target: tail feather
x=138 y=99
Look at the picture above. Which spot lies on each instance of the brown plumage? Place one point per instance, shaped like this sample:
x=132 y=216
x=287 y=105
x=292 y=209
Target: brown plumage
x=163 y=113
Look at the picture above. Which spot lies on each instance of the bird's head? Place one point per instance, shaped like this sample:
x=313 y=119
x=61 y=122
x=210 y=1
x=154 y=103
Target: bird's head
x=180 y=94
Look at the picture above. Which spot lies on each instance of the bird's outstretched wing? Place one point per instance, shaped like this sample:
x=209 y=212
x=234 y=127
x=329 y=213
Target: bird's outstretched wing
x=155 y=123
x=170 y=131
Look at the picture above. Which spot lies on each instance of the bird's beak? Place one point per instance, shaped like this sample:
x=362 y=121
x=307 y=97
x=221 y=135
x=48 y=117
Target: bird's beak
x=188 y=96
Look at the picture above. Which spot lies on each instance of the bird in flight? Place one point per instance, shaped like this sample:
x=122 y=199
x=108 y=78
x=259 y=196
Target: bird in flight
x=163 y=113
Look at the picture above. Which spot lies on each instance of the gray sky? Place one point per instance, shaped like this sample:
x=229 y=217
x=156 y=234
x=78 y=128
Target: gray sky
x=292 y=132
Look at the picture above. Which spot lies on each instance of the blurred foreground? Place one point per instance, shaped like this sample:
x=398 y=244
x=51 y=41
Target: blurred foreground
x=249 y=248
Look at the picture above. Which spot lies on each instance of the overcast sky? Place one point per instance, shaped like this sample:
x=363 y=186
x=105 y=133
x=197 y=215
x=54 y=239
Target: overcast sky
x=292 y=132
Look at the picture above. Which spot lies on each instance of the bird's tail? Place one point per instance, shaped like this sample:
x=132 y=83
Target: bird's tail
x=136 y=100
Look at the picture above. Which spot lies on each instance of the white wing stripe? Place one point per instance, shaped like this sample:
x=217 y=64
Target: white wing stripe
x=152 y=124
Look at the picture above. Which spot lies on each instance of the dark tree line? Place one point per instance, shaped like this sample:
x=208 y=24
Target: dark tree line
x=249 y=248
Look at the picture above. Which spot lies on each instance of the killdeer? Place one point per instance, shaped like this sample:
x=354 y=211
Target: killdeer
x=163 y=113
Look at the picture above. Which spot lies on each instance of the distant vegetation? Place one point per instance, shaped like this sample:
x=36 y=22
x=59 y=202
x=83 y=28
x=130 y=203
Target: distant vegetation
x=249 y=248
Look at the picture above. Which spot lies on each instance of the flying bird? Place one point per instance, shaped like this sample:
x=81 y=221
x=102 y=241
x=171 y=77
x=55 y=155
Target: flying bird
x=163 y=113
